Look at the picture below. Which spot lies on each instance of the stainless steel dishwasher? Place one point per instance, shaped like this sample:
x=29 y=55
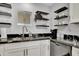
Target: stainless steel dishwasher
x=57 y=49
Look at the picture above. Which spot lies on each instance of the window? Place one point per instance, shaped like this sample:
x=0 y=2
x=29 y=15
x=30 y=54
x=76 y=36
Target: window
x=24 y=17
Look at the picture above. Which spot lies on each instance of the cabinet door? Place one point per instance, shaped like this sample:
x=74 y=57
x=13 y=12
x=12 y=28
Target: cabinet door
x=1 y=54
x=1 y=50
x=45 y=50
x=75 y=51
x=59 y=49
x=33 y=51
x=74 y=12
x=15 y=52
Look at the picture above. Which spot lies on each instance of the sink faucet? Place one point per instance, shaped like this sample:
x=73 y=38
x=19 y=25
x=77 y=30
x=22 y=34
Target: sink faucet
x=30 y=34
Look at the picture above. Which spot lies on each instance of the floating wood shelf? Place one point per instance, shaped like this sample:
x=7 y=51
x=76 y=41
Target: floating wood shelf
x=75 y=23
x=5 y=14
x=61 y=25
x=42 y=25
x=41 y=12
x=5 y=5
x=5 y=23
x=42 y=19
x=61 y=17
x=61 y=9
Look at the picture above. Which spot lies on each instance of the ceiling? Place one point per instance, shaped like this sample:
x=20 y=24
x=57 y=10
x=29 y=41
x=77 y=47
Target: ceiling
x=47 y=4
x=44 y=4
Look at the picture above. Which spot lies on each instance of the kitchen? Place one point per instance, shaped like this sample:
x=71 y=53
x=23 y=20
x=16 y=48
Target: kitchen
x=39 y=29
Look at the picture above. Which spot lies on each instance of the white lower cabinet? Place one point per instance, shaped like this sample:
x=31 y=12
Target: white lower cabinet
x=34 y=48
x=75 y=51
x=45 y=50
x=1 y=50
x=30 y=51
x=14 y=52
x=34 y=51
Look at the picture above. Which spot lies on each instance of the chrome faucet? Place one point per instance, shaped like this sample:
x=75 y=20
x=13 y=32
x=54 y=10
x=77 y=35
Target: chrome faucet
x=30 y=34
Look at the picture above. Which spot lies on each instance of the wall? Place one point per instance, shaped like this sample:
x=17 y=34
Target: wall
x=59 y=50
x=71 y=28
x=61 y=30
x=16 y=29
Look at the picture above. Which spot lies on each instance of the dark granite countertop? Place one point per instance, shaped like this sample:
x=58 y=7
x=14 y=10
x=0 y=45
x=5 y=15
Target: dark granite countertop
x=65 y=43
x=43 y=38
x=34 y=39
x=27 y=35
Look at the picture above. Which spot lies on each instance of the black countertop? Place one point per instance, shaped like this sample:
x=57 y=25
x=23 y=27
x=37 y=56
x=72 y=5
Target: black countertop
x=34 y=39
x=27 y=35
x=65 y=43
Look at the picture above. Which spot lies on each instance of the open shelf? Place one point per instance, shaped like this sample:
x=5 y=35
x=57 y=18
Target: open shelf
x=41 y=12
x=5 y=14
x=42 y=26
x=75 y=23
x=61 y=25
x=61 y=9
x=61 y=17
x=5 y=5
x=5 y=25
x=45 y=19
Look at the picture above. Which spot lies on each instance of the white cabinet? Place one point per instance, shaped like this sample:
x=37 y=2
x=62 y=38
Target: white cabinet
x=32 y=48
x=34 y=51
x=75 y=51
x=40 y=50
x=30 y=51
x=45 y=48
x=15 y=52
x=1 y=50
x=74 y=12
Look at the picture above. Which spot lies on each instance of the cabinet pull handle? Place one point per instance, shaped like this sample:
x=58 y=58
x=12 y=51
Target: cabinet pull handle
x=26 y=52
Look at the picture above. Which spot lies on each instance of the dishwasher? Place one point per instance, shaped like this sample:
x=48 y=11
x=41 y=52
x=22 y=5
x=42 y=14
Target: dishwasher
x=57 y=49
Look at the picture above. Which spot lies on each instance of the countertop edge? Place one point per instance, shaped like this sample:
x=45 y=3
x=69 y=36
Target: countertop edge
x=7 y=42
x=67 y=44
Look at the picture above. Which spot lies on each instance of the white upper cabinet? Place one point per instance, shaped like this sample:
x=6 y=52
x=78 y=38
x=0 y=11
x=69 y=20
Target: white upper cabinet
x=74 y=12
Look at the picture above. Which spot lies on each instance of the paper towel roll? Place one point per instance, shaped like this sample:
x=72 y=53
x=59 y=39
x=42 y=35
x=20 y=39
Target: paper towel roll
x=3 y=33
